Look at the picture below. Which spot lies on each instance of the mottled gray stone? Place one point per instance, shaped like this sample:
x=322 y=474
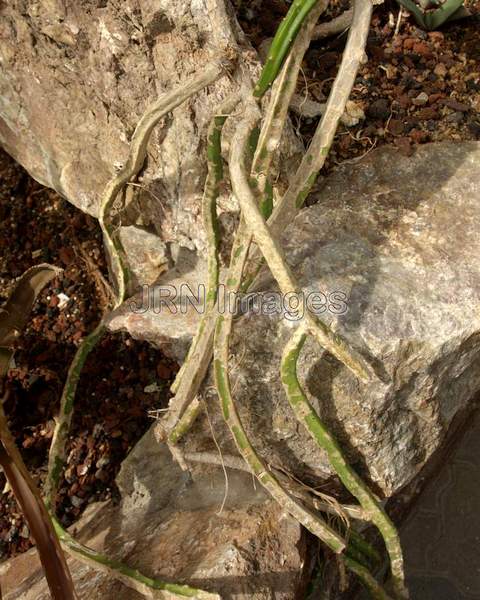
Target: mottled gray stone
x=399 y=238
x=76 y=78
x=149 y=316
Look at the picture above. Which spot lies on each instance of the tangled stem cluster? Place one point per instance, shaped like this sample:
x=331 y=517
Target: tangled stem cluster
x=255 y=242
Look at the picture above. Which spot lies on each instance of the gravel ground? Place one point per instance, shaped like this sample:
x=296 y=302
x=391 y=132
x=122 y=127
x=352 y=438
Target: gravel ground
x=416 y=87
x=122 y=380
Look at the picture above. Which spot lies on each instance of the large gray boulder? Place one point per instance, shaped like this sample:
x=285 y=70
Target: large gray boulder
x=76 y=78
x=393 y=244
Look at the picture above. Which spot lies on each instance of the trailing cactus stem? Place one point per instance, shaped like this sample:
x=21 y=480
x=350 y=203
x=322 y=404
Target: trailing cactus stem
x=146 y=586
x=307 y=415
x=314 y=158
x=282 y=92
x=209 y=212
x=312 y=522
x=274 y=254
x=274 y=123
x=282 y=42
x=56 y=457
x=192 y=372
x=189 y=383
x=185 y=423
x=212 y=187
x=359 y=542
x=372 y=585
x=135 y=160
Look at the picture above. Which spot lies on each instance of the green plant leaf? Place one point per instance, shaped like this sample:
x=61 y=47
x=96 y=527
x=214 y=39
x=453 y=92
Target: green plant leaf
x=282 y=42
x=441 y=15
x=433 y=19
x=418 y=14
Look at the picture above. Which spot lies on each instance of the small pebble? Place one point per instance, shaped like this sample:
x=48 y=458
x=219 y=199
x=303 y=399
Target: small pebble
x=421 y=99
x=396 y=127
x=428 y=113
x=440 y=70
x=82 y=470
x=422 y=49
x=62 y=300
x=102 y=462
x=76 y=501
x=24 y=532
x=455 y=105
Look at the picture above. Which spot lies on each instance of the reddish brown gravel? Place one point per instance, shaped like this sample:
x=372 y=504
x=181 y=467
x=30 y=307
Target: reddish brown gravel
x=112 y=405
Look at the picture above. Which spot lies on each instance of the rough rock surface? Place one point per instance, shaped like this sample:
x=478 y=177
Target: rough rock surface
x=147 y=256
x=180 y=529
x=398 y=237
x=144 y=311
x=75 y=79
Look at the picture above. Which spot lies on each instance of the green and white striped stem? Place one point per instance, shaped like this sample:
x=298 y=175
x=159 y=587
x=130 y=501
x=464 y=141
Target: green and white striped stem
x=282 y=42
x=317 y=152
x=311 y=521
x=375 y=589
x=132 y=578
x=215 y=177
x=136 y=157
x=56 y=456
x=274 y=255
x=188 y=380
x=307 y=415
x=135 y=161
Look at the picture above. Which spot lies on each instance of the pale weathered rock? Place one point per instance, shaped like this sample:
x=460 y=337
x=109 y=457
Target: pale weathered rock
x=76 y=78
x=174 y=527
x=163 y=303
x=395 y=241
x=146 y=254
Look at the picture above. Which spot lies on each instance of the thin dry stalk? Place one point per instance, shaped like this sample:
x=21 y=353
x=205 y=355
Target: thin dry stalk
x=317 y=152
x=335 y=26
x=39 y=523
